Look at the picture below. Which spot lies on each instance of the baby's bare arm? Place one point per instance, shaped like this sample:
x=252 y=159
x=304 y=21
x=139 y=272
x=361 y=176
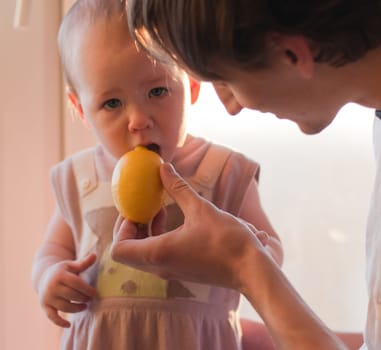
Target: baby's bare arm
x=253 y=213
x=57 y=246
x=56 y=273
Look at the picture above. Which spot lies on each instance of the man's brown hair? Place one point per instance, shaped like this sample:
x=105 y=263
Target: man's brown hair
x=196 y=33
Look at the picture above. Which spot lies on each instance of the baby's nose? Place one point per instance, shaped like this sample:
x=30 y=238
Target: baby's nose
x=139 y=120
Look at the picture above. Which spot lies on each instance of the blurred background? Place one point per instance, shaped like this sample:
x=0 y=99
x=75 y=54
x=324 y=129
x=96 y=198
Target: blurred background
x=315 y=189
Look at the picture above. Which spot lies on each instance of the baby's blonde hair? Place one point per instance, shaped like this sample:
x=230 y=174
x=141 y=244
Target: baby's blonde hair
x=84 y=13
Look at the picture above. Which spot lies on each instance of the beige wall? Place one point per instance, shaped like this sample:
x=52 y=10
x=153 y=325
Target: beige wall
x=35 y=133
x=30 y=142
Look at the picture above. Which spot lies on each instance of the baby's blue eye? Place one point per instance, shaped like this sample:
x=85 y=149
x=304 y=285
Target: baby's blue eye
x=158 y=91
x=112 y=103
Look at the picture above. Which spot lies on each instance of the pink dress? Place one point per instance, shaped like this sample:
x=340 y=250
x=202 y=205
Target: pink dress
x=134 y=309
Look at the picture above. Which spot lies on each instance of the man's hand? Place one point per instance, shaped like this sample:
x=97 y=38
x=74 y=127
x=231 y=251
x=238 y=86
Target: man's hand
x=208 y=248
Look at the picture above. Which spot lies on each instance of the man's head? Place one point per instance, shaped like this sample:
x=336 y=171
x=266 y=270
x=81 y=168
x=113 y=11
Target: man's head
x=296 y=59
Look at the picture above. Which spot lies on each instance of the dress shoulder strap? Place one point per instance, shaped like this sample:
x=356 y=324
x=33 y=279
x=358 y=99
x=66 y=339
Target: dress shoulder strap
x=84 y=171
x=90 y=196
x=210 y=168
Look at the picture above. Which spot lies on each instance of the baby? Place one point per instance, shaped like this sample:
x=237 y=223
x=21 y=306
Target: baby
x=126 y=99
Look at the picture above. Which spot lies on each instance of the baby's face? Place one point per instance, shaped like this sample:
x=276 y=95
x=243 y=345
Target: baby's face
x=127 y=99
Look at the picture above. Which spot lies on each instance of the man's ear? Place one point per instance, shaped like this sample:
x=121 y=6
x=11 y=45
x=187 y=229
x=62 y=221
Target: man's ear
x=298 y=53
x=194 y=90
x=72 y=97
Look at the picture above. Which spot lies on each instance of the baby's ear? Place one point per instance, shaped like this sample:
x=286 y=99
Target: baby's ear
x=76 y=104
x=195 y=89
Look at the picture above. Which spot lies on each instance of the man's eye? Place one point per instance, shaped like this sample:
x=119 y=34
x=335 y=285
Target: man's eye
x=112 y=103
x=158 y=91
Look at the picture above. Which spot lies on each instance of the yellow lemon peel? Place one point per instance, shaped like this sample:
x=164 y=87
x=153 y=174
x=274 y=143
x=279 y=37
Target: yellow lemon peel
x=136 y=185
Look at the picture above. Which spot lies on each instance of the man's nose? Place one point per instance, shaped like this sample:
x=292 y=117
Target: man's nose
x=228 y=99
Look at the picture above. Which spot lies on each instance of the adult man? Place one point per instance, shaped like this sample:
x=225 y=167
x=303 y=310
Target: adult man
x=300 y=60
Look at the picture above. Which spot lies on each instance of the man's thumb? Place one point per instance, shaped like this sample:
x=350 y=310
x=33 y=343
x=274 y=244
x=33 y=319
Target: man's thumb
x=178 y=189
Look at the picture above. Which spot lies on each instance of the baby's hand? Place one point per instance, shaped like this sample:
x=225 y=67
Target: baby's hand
x=263 y=237
x=62 y=289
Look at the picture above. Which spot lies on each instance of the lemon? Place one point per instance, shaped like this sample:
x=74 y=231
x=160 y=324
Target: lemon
x=136 y=185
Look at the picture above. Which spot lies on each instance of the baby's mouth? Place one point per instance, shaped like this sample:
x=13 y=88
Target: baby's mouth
x=153 y=147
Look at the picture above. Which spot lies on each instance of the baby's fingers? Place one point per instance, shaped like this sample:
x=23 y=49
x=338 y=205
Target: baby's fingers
x=70 y=307
x=83 y=264
x=159 y=223
x=54 y=316
x=74 y=295
x=263 y=237
x=118 y=224
x=78 y=285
